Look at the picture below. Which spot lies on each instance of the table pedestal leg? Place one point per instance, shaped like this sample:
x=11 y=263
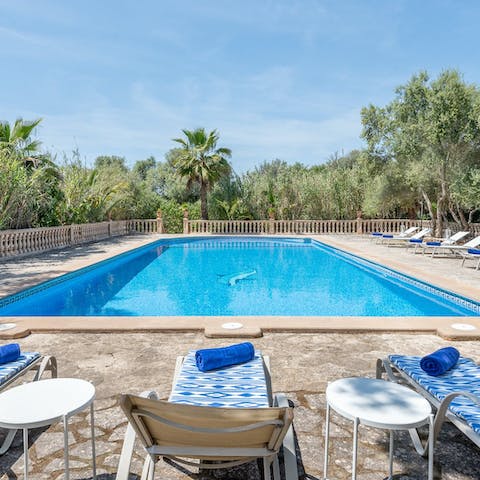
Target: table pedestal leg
x=327 y=436
x=355 y=448
x=92 y=426
x=390 y=457
x=65 y=447
x=25 y=453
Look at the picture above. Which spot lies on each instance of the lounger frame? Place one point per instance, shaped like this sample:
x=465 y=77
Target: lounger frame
x=40 y=365
x=443 y=413
x=270 y=458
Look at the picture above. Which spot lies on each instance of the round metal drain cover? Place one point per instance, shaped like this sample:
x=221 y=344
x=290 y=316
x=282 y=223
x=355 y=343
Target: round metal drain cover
x=463 y=326
x=232 y=325
x=7 y=326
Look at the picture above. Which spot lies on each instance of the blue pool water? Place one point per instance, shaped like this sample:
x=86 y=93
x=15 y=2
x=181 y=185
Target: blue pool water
x=231 y=276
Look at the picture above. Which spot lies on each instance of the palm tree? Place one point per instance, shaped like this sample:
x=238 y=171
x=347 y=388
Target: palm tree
x=201 y=162
x=16 y=138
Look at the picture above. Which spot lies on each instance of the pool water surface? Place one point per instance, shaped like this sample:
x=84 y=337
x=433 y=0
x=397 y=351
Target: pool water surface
x=236 y=277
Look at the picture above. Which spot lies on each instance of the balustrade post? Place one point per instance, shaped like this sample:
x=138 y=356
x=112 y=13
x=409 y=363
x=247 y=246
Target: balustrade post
x=160 y=222
x=359 y=223
x=271 y=221
x=185 y=222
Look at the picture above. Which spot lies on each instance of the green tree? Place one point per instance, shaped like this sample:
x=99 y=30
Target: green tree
x=200 y=161
x=17 y=137
x=110 y=161
x=431 y=130
x=142 y=167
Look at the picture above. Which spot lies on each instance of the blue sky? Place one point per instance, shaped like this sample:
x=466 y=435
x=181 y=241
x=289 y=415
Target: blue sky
x=278 y=79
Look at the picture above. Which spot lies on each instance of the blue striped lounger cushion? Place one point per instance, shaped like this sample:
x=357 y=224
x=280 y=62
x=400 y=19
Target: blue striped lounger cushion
x=10 y=369
x=465 y=376
x=237 y=386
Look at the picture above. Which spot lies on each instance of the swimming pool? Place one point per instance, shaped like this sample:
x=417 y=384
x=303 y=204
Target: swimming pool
x=225 y=276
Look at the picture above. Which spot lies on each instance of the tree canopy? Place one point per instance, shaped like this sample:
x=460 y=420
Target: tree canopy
x=421 y=160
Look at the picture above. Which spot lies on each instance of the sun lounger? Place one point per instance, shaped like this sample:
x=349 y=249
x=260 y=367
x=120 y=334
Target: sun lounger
x=455 y=394
x=431 y=246
x=472 y=254
x=398 y=240
x=12 y=371
x=219 y=418
x=457 y=249
x=406 y=233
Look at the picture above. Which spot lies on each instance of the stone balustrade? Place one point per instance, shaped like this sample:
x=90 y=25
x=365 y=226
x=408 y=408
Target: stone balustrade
x=31 y=240
x=313 y=227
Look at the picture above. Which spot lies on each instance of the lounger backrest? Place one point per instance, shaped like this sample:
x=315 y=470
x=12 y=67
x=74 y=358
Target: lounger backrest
x=456 y=237
x=422 y=233
x=163 y=423
x=408 y=231
x=473 y=243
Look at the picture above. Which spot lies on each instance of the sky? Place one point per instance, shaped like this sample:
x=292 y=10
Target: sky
x=277 y=79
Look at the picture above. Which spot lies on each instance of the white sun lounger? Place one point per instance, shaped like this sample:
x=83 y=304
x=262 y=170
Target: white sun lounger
x=237 y=423
x=472 y=254
x=430 y=246
x=455 y=394
x=457 y=249
x=397 y=240
x=377 y=236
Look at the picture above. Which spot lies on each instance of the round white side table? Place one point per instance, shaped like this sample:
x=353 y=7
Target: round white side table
x=37 y=404
x=379 y=404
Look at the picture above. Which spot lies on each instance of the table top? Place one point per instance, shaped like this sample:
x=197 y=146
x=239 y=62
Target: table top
x=41 y=403
x=378 y=403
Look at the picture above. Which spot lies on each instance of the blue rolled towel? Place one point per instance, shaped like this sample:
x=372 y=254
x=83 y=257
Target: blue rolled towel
x=415 y=240
x=440 y=361
x=377 y=234
x=212 y=358
x=9 y=352
x=434 y=244
x=387 y=235
x=474 y=251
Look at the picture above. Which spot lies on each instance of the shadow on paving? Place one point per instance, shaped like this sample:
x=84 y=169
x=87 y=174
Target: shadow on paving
x=15 y=452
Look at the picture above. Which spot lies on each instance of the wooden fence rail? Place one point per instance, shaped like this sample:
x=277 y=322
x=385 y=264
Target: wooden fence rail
x=31 y=240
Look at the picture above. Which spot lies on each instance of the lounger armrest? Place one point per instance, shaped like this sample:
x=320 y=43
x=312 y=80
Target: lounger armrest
x=123 y=471
x=442 y=409
x=383 y=366
x=289 y=452
x=178 y=368
x=49 y=362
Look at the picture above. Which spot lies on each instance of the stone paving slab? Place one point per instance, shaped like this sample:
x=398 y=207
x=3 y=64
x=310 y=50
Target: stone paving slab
x=302 y=365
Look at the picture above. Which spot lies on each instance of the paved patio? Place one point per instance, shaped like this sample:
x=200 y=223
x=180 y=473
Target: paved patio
x=302 y=364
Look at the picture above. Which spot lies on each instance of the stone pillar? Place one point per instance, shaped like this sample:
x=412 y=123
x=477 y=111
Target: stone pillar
x=185 y=222
x=159 y=222
x=271 y=221
x=359 y=223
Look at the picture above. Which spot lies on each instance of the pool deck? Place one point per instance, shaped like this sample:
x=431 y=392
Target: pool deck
x=302 y=364
x=447 y=273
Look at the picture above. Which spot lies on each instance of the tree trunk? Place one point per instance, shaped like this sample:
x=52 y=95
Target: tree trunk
x=203 y=200
x=442 y=198
x=471 y=213
x=430 y=209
